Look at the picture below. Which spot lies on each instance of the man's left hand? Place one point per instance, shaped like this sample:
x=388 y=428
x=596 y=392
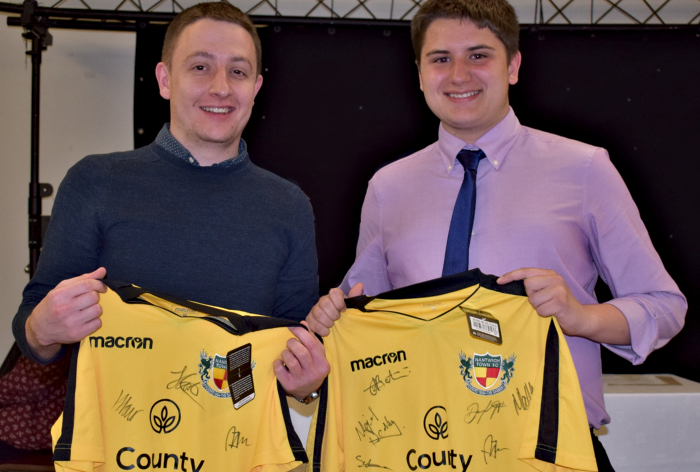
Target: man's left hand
x=550 y=296
x=303 y=365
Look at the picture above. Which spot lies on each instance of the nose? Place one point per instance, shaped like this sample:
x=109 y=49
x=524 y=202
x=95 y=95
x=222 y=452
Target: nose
x=460 y=71
x=219 y=85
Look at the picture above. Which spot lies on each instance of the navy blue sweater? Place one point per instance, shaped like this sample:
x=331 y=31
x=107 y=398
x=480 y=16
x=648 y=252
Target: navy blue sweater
x=238 y=237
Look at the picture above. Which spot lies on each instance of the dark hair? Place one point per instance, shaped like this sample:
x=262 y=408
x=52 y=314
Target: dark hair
x=219 y=11
x=496 y=15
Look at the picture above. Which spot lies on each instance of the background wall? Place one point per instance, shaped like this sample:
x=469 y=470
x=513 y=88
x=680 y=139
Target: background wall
x=87 y=83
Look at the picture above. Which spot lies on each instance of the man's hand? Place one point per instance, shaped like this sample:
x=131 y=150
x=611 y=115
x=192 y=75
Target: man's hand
x=550 y=296
x=303 y=365
x=328 y=309
x=67 y=314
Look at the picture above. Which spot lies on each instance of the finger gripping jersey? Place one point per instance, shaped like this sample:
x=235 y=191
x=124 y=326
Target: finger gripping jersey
x=150 y=390
x=456 y=373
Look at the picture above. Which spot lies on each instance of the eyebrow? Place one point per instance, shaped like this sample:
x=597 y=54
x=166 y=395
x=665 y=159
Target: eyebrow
x=470 y=49
x=208 y=55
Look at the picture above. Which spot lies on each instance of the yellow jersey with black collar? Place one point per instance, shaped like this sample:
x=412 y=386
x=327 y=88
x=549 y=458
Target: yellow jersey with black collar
x=175 y=385
x=456 y=373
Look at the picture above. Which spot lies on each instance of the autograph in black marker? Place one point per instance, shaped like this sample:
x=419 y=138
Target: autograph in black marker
x=376 y=384
x=491 y=448
x=124 y=408
x=474 y=412
x=368 y=463
x=375 y=429
x=521 y=401
x=234 y=439
x=189 y=388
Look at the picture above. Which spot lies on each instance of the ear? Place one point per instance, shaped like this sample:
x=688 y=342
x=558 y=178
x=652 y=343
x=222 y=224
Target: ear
x=514 y=68
x=420 y=77
x=163 y=78
x=258 y=84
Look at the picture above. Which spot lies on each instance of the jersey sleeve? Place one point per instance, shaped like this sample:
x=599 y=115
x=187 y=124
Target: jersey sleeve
x=324 y=445
x=556 y=437
x=80 y=419
x=274 y=440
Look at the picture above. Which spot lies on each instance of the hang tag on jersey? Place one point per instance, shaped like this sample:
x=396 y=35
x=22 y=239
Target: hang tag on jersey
x=483 y=325
x=240 y=375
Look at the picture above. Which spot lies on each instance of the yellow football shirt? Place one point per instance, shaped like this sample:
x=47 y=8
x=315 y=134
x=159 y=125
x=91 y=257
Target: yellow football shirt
x=456 y=373
x=149 y=390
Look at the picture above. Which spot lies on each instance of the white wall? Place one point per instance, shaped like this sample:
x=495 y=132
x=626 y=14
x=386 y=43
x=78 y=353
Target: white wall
x=86 y=108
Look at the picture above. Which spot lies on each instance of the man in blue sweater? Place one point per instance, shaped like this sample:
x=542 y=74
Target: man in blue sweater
x=189 y=215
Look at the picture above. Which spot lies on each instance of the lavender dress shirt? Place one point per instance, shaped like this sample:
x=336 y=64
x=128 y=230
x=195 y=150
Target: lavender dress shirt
x=542 y=201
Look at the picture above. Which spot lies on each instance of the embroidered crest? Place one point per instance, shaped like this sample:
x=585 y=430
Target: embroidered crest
x=486 y=374
x=214 y=374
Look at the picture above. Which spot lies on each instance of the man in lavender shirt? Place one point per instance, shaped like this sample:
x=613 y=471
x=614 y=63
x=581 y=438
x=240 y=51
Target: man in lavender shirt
x=550 y=211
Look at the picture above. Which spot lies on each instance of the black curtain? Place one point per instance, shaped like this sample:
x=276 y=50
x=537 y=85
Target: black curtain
x=339 y=101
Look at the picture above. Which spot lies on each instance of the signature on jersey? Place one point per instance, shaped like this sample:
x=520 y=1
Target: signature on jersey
x=374 y=429
x=378 y=382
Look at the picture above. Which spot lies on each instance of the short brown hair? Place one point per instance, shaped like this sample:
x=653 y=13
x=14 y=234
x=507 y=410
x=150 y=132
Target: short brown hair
x=496 y=15
x=219 y=11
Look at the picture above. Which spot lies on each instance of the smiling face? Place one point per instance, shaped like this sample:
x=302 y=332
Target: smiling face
x=211 y=84
x=465 y=74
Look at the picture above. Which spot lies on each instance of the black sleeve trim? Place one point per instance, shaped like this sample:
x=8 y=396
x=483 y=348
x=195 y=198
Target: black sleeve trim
x=320 y=426
x=294 y=441
x=441 y=286
x=243 y=324
x=62 y=451
x=546 y=449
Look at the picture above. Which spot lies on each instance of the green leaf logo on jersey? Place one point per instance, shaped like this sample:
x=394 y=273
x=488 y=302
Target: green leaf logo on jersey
x=486 y=374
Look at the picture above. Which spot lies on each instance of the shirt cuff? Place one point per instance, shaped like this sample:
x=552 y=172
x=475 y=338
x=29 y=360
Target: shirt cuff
x=644 y=331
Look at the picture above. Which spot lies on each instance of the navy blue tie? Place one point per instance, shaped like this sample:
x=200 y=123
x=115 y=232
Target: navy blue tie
x=457 y=251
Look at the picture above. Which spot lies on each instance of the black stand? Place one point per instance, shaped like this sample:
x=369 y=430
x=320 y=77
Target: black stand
x=38 y=34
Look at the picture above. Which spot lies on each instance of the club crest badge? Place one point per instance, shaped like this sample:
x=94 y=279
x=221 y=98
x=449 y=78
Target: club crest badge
x=486 y=374
x=213 y=372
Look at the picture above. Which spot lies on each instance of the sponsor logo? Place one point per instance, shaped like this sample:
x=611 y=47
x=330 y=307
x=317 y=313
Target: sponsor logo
x=486 y=374
x=121 y=342
x=165 y=416
x=214 y=374
x=434 y=424
x=127 y=460
x=437 y=459
x=369 y=362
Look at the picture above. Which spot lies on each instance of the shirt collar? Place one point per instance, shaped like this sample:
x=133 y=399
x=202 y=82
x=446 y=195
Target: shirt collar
x=495 y=143
x=167 y=141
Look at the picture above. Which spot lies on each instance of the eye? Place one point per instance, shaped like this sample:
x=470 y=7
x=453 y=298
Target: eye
x=441 y=60
x=199 y=67
x=478 y=56
x=239 y=73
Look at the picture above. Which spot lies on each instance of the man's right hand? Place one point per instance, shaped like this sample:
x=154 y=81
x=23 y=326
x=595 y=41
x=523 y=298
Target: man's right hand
x=328 y=309
x=67 y=314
